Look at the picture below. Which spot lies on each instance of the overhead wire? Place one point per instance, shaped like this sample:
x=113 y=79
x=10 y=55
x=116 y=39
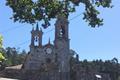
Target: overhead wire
x=20 y=26
x=13 y=28
x=75 y=16
x=29 y=40
x=44 y=33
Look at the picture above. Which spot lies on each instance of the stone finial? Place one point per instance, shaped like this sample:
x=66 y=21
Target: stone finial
x=41 y=29
x=60 y=17
x=77 y=57
x=37 y=27
x=49 y=41
x=32 y=28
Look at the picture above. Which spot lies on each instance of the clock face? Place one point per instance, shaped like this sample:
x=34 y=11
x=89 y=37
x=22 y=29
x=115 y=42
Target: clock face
x=48 y=50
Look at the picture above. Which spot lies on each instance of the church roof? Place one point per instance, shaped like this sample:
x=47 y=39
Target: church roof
x=48 y=45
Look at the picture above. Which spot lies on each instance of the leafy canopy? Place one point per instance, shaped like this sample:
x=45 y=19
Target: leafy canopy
x=32 y=11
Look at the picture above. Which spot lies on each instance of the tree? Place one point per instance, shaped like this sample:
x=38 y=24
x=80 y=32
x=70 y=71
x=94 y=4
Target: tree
x=14 y=56
x=1 y=53
x=22 y=56
x=32 y=11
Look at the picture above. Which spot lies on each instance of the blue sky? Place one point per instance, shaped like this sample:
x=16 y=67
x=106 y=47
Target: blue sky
x=90 y=43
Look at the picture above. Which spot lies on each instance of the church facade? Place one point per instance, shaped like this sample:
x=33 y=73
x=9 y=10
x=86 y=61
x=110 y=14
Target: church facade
x=50 y=57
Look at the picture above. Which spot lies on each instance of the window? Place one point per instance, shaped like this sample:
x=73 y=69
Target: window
x=36 y=41
x=62 y=31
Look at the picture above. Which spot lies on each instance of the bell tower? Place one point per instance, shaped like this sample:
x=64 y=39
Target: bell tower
x=36 y=37
x=61 y=32
x=61 y=28
x=62 y=46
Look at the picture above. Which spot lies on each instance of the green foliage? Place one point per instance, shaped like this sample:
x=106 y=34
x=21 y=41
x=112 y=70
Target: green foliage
x=2 y=57
x=1 y=40
x=111 y=67
x=14 y=57
x=31 y=12
x=1 y=49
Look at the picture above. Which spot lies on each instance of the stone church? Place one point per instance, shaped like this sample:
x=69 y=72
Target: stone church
x=53 y=61
x=53 y=58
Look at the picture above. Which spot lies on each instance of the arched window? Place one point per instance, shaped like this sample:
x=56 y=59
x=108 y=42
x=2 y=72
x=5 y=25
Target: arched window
x=36 y=40
x=62 y=31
